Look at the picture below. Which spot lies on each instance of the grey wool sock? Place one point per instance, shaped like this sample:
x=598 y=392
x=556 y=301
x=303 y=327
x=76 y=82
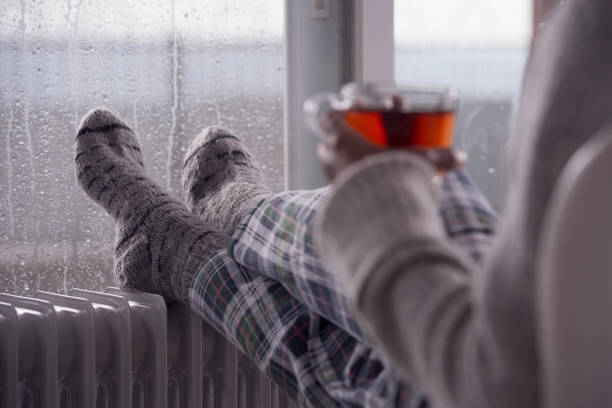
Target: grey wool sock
x=222 y=182
x=159 y=244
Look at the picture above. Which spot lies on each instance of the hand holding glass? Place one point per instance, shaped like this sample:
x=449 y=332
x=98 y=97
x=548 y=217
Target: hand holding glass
x=420 y=118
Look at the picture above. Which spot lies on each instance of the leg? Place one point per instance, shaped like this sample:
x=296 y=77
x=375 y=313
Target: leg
x=162 y=248
x=315 y=361
x=277 y=240
x=223 y=186
x=221 y=180
x=158 y=244
x=275 y=236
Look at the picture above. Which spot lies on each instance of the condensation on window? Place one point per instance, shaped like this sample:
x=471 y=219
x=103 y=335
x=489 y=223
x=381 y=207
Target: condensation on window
x=168 y=68
x=479 y=47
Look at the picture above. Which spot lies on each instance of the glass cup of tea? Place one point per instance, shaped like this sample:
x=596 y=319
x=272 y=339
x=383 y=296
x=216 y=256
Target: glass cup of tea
x=390 y=116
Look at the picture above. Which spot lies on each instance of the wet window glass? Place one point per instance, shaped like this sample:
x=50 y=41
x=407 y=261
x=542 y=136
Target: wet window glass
x=480 y=47
x=168 y=68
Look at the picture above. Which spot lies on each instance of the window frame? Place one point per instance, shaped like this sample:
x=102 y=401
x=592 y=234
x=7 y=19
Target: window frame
x=354 y=42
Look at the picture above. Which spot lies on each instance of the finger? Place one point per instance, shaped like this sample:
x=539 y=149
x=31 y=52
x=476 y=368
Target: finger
x=327 y=156
x=337 y=129
x=327 y=122
x=345 y=129
x=443 y=159
x=396 y=102
x=332 y=126
x=326 y=152
x=333 y=120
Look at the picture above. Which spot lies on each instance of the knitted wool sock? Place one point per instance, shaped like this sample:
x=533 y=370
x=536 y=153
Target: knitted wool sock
x=221 y=181
x=159 y=245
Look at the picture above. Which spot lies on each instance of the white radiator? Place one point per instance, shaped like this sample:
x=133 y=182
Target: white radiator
x=117 y=350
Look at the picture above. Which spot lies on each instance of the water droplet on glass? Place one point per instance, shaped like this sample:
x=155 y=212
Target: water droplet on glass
x=491 y=170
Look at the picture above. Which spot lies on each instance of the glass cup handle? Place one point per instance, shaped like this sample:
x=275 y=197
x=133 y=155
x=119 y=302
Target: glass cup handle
x=316 y=109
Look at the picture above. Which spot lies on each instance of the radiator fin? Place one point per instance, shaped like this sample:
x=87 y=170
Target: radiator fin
x=120 y=349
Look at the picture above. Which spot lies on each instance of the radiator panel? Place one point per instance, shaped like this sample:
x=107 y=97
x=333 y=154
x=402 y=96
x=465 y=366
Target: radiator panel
x=76 y=349
x=121 y=349
x=37 y=333
x=184 y=358
x=149 y=359
x=113 y=347
x=9 y=350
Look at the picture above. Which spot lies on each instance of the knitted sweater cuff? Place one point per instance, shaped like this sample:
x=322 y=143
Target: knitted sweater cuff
x=379 y=202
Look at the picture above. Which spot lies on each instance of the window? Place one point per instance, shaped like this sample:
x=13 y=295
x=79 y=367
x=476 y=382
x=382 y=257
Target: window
x=480 y=47
x=168 y=68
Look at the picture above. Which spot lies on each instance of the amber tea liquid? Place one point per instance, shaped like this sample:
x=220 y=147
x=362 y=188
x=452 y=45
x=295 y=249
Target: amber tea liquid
x=403 y=129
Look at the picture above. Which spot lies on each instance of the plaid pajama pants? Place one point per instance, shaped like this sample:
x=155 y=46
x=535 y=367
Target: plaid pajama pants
x=270 y=295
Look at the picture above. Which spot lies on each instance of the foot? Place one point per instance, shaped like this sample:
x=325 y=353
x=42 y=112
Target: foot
x=159 y=245
x=221 y=181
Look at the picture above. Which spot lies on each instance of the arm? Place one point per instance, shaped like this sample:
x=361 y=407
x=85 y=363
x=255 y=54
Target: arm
x=467 y=334
x=415 y=295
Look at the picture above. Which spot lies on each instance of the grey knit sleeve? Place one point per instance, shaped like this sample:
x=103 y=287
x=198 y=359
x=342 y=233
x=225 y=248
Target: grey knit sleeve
x=416 y=297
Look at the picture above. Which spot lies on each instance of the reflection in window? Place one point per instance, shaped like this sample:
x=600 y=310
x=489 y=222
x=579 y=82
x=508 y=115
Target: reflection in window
x=168 y=68
x=480 y=47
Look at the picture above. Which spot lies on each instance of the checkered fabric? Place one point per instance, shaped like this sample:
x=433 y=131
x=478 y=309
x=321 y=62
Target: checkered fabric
x=277 y=241
x=270 y=295
x=316 y=362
